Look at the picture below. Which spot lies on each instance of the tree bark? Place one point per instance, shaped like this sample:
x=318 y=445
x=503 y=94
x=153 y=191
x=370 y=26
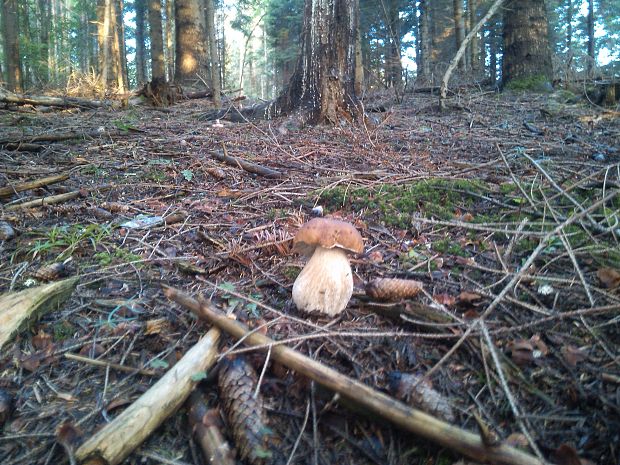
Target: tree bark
x=591 y=44
x=474 y=47
x=459 y=33
x=170 y=39
x=527 y=53
x=158 y=64
x=424 y=69
x=191 y=46
x=323 y=84
x=10 y=38
x=359 y=60
x=213 y=54
x=140 y=47
x=44 y=33
x=122 y=76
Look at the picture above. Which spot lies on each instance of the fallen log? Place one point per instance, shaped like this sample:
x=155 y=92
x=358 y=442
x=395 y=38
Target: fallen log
x=64 y=102
x=18 y=308
x=24 y=186
x=116 y=440
x=410 y=419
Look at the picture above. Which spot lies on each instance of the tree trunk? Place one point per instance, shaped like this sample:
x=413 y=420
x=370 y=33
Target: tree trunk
x=591 y=47
x=158 y=64
x=323 y=84
x=527 y=54
x=424 y=68
x=170 y=38
x=119 y=61
x=393 y=68
x=44 y=33
x=493 y=51
x=213 y=55
x=459 y=33
x=140 y=47
x=10 y=40
x=569 y=27
x=359 y=60
x=474 y=48
x=191 y=46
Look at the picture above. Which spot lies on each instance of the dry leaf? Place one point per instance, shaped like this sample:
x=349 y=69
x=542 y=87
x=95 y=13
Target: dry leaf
x=566 y=455
x=468 y=297
x=609 y=277
x=41 y=340
x=540 y=344
x=522 y=352
x=66 y=396
x=573 y=355
x=375 y=256
x=156 y=326
x=444 y=299
x=517 y=440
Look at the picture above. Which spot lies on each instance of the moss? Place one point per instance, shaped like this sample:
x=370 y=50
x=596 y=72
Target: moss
x=63 y=330
x=395 y=205
x=507 y=188
x=448 y=246
x=291 y=272
x=535 y=83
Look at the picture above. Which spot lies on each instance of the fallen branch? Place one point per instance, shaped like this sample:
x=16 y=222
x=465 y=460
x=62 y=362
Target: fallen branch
x=443 y=92
x=246 y=165
x=24 y=186
x=52 y=199
x=205 y=428
x=64 y=102
x=60 y=136
x=116 y=440
x=410 y=419
x=114 y=366
x=18 y=308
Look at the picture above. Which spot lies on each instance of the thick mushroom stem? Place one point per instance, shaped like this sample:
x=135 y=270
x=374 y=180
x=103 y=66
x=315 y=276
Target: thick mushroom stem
x=326 y=282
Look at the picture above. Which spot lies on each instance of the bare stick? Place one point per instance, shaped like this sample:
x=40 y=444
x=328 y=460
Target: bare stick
x=125 y=433
x=52 y=199
x=24 y=186
x=245 y=165
x=410 y=419
x=443 y=91
x=115 y=366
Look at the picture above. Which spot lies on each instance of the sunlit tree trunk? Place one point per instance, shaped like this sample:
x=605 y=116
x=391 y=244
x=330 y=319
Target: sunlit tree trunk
x=591 y=44
x=11 y=45
x=119 y=62
x=213 y=55
x=158 y=64
x=459 y=33
x=170 y=39
x=140 y=47
x=359 y=59
x=322 y=85
x=527 y=53
x=191 y=46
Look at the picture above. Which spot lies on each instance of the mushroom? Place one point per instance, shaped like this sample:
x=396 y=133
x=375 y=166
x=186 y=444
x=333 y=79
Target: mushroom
x=326 y=282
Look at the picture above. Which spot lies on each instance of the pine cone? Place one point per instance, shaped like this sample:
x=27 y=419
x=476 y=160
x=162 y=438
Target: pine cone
x=244 y=412
x=393 y=289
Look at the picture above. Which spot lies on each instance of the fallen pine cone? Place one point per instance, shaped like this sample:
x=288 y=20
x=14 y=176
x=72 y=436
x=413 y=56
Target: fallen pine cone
x=244 y=412
x=51 y=272
x=393 y=289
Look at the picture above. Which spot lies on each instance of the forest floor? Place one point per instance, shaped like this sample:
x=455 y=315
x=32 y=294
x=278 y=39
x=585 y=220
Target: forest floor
x=502 y=207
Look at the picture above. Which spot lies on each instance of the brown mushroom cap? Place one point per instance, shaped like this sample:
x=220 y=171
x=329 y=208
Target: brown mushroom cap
x=328 y=233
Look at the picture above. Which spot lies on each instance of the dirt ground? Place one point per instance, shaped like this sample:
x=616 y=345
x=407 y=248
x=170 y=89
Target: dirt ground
x=506 y=208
